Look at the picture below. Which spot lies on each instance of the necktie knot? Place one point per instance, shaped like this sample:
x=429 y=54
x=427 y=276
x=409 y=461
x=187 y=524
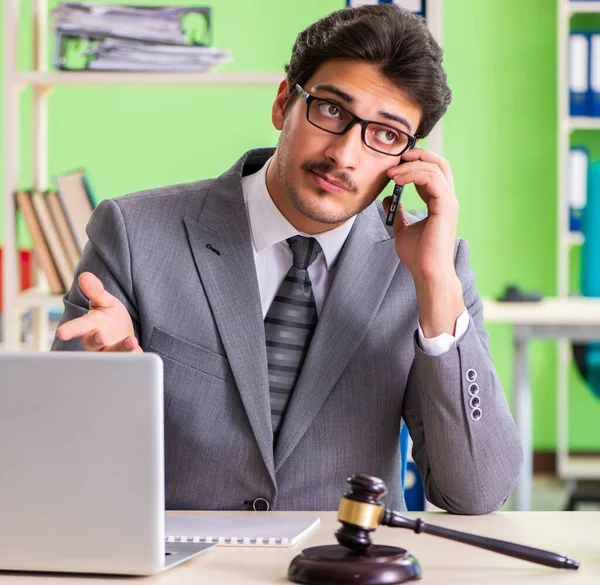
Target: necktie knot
x=304 y=250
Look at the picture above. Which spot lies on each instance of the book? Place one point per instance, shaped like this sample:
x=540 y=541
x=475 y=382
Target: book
x=61 y=221
x=40 y=246
x=77 y=201
x=57 y=251
x=256 y=529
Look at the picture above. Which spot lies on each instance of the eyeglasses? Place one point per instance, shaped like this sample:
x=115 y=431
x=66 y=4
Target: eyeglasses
x=335 y=119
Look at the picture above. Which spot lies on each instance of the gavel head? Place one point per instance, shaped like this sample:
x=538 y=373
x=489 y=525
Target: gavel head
x=360 y=511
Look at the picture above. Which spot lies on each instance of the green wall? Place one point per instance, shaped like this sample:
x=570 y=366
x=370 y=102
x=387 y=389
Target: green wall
x=500 y=136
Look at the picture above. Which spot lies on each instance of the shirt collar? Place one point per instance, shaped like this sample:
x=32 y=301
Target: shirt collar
x=269 y=226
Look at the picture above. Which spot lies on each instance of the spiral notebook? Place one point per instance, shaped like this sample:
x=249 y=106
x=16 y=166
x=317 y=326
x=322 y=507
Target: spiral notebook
x=256 y=529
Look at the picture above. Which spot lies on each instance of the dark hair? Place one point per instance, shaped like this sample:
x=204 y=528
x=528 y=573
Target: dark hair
x=391 y=37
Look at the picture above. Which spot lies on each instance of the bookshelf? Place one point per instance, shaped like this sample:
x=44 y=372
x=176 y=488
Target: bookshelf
x=568 y=466
x=42 y=81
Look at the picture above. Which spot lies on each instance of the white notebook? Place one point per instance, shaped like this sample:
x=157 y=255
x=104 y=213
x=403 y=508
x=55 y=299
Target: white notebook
x=255 y=530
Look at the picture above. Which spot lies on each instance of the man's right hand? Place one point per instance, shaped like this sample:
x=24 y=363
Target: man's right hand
x=106 y=327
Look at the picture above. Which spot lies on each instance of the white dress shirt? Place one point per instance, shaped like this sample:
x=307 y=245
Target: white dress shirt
x=273 y=256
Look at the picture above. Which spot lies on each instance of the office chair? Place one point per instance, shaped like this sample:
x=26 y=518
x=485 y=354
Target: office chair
x=410 y=478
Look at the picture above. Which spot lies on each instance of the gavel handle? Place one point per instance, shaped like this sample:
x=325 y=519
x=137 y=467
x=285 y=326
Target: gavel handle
x=526 y=553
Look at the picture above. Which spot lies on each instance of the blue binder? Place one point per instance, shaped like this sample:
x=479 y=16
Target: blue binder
x=594 y=91
x=416 y=6
x=579 y=66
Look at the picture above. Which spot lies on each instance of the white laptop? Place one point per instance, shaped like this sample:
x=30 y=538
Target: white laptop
x=82 y=464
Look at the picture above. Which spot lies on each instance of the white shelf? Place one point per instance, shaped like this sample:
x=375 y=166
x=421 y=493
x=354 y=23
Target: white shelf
x=575 y=239
x=35 y=299
x=583 y=123
x=583 y=7
x=144 y=78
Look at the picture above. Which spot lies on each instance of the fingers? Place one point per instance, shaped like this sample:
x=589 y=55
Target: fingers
x=418 y=165
x=94 y=290
x=430 y=157
x=93 y=339
x=431 y=185
x=82 y=326
x=421 y=174
x=99 y=341
x=400 y=221
x=128 y=345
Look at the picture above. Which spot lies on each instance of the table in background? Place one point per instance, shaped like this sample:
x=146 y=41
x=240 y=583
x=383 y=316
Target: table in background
x=573 y=318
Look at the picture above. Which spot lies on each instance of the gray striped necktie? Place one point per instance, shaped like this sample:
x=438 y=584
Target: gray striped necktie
x=289 y=326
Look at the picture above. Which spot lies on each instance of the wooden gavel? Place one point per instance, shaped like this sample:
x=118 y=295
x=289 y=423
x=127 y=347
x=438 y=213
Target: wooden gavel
x=358 y=561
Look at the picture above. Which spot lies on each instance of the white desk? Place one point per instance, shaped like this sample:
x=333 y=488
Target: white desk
x=576 y=319
x=574 y=534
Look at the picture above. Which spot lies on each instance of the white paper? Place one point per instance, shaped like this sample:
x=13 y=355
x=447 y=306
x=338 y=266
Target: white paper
x=158 y=24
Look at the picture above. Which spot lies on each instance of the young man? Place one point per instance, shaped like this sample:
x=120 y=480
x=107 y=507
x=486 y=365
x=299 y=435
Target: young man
x=296 y=329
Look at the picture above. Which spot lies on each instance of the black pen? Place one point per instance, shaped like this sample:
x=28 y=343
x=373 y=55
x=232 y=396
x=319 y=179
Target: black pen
x=394 y=204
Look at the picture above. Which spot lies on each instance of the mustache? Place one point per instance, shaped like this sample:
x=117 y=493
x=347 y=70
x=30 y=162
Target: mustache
x=326 y=168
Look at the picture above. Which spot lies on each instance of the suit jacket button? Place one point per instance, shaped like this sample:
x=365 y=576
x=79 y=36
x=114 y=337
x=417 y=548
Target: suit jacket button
x=471 y=375
x=476 y=414
x=260 y=505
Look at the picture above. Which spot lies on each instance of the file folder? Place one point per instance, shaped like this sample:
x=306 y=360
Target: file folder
x=578 y=73
x=595 y=75
x=578 y=175
x=416 y=6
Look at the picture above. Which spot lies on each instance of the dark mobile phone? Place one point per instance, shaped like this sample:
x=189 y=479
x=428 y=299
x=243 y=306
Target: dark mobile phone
x=389 y=220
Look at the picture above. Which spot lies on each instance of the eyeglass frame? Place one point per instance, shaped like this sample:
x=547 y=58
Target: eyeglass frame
x=308 y=98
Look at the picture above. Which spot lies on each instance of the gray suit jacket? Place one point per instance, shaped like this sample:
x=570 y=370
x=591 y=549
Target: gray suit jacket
x=364 y=372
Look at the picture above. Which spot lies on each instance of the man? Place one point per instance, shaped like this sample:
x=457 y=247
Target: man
x=296 y=329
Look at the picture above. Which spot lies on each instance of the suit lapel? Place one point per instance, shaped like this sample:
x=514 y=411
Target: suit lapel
x=364 y=272
x=221 y=243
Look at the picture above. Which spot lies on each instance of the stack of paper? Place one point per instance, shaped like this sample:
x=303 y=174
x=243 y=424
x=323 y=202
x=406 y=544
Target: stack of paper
x=115 y=37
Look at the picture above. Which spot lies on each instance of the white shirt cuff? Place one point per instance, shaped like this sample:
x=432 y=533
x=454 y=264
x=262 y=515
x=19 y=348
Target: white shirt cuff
x=436 y=346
